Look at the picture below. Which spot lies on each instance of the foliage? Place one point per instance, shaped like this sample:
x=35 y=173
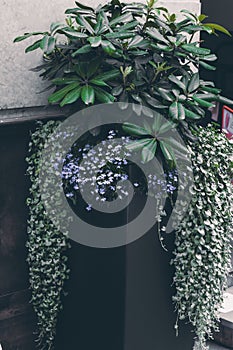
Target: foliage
x=141 y=54
x=46 y=248
x=136 y=53
x=203 y=239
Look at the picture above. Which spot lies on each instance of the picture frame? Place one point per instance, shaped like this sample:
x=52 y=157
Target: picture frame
x=227 y=121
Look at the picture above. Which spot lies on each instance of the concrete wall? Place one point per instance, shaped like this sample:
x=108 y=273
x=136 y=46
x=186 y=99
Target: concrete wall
x=19 y=87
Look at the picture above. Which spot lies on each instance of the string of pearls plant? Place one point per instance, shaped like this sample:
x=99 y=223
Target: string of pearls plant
x=46 y=245
x=202 y=255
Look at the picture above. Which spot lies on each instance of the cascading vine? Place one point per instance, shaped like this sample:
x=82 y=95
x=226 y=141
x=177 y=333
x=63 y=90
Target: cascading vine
x=46 y=248
x=202 y=255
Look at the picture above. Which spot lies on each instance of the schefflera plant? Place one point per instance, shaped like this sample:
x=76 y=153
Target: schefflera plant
x=132 y=53
x=141 y=54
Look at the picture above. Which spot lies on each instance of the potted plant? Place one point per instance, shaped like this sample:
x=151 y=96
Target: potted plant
x=148 y=60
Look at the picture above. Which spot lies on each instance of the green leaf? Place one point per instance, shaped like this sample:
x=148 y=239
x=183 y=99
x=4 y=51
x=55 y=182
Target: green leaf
x=166 y=95
x=155 y=34
x=58 y=95
x=189 y=114
x=55 y=25
x=192 y=48
x=207 y=66
x=119 y=35
x=153 y=102
x=224 y=100
x=211 y=89
x=82 y=50
x=211 y=57
x=50 y=45
x=202 y=103
x=134 y=129
x=65 y=81
x=176 y=111
x=175 y=144
x=135 y=41
x=44 y=43
x=126 y=17
x=70 y=32
x=207 y=97
x=177 y=81
x=116 y=91
x=167 y=151
x=138 y=144
x=27 y=35
x=71 y=97
x=84 y=7
x=98 y=82
x=34 y=46
x=148 y=151
x=167 y=126
x=202 y=17
x=108 y=47
x=194 y=82
x=108 y=75
x=217 y=27
x=83 y=22
x=104 y=96
x=88 y=94
x=95 y=41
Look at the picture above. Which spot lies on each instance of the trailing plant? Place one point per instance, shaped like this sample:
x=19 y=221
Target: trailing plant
x=203 y=239
x=46 y=246
x=140 y=54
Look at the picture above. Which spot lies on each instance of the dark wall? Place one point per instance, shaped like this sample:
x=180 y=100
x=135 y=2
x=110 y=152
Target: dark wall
x=16 y=316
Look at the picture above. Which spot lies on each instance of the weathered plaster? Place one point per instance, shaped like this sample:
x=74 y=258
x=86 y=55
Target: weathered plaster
x=19 y=87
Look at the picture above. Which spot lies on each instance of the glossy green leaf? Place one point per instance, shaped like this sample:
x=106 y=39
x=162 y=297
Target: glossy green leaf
x=211 y=89
x=126 y=17
x=84 y=7
x=202 y=103
x=83 y=22
x=104 y=96
x=71 y=97
x=112 y=74
x=191 y=115
x=34 y=46
x=88 y=94
x=98 y=82
x=225 y=100
x=176 y=111
x=167 y=151
x=176 y=145
x=58 y=95
x=207 y=66
x=133 y=129
x=194 y=82
x=202 y=17
x=153 y=102
x=94 y=41
x=165 y=94
x=27 y=35
x=177 y=81
x=65 y=81
x=148 y=151
x=84 y=49
x=218 y=27
x=192 y=48
x=155 y=34
x=137 y=145
x=72 y=33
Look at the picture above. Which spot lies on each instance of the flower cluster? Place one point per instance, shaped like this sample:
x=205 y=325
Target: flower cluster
x=105 y=168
